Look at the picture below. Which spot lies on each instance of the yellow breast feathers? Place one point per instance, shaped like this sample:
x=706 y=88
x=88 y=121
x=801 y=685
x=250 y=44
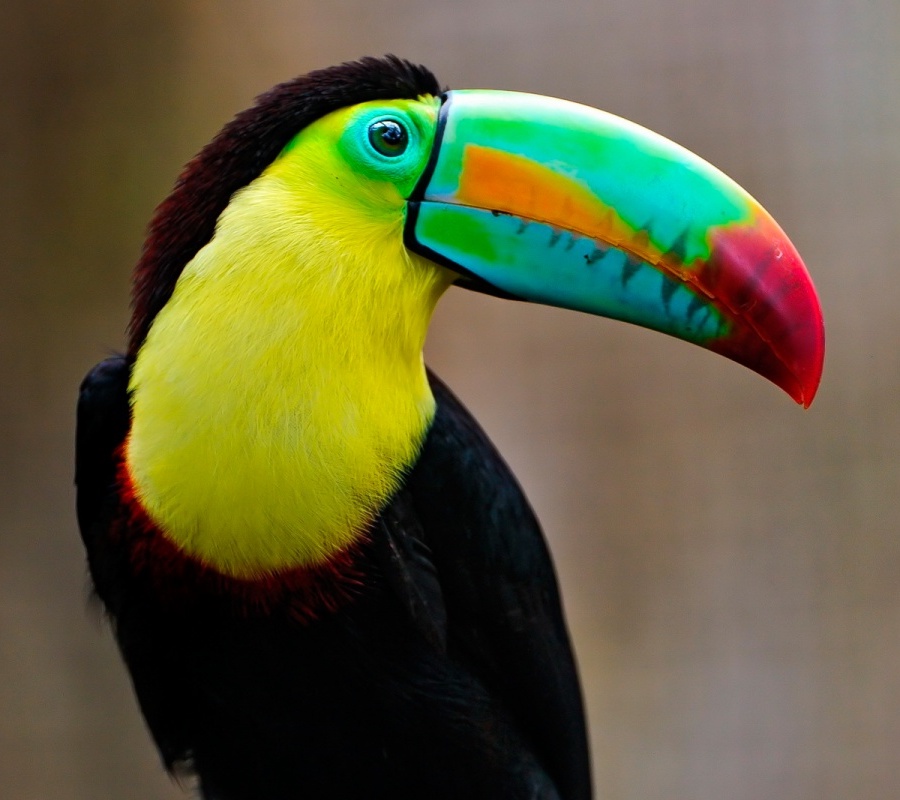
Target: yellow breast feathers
x=281 y=393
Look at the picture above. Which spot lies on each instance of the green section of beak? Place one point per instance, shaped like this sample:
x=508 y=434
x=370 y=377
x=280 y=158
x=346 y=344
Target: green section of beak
x=557 y=203
x=650 y=183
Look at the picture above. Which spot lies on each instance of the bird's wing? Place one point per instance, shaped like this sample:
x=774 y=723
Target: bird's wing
x=103 y=417
x=503 y=613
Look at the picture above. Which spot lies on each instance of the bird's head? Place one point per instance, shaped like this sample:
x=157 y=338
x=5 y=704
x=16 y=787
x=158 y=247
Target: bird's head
x=513 y=194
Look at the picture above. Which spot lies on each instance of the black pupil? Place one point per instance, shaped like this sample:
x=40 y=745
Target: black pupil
x=388 y=137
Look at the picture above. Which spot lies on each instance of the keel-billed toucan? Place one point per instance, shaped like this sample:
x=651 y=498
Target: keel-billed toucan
x=323 y=579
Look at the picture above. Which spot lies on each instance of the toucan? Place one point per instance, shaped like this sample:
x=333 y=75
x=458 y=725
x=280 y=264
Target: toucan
x=323 y=579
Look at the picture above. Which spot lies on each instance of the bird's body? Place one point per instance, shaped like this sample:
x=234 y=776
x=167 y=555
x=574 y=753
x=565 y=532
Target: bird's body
x=323 y=579
x=412 y=674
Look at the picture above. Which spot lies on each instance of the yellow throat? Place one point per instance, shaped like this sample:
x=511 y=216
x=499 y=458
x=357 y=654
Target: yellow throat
x=281 y=393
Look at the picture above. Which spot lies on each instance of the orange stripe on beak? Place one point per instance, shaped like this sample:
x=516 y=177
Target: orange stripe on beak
x=514 y=184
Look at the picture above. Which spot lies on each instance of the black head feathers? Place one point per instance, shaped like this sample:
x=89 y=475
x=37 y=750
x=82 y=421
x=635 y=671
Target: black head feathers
x=185 y=221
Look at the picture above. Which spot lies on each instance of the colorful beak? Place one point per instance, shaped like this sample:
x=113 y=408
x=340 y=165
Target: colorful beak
x=557 y=203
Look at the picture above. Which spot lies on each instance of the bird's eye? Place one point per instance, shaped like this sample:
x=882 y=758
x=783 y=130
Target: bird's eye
x=388 y=137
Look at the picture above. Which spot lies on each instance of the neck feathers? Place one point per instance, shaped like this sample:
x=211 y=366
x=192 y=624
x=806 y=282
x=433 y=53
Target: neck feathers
x=280 y=395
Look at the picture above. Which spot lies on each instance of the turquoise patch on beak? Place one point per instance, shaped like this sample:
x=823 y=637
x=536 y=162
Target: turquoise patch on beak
x=536 y=262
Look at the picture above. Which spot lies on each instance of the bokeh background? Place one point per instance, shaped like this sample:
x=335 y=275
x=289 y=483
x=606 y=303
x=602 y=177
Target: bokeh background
x=729 y=562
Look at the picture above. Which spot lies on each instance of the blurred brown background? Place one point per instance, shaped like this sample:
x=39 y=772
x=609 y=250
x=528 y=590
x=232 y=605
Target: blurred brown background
x=730 y=563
